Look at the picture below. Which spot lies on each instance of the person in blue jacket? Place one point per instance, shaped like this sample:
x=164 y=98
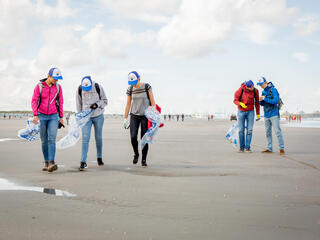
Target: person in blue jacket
x=269 y=100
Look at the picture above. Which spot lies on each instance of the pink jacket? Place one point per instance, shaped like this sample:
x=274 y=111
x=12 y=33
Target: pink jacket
x=47 y=104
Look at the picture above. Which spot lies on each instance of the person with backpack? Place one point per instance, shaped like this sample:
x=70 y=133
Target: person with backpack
x=90 y=95
x=47 y=106
x=247 y=99
x=271 y=102
x=139 y=98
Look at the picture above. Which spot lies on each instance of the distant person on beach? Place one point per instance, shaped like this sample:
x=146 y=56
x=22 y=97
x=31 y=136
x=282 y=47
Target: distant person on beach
x=269 y=100
x=178 y=117
x=169 y=117
x=182 y=117
x=139 y=98
x=90 y=95
x=246 y=98
x=47 y=106
x=67 y=118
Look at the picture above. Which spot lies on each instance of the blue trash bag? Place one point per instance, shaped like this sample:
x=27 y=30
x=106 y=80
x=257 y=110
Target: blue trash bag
x=76 y=122
x=155 y=117
x=233 y=135
x=31 y=132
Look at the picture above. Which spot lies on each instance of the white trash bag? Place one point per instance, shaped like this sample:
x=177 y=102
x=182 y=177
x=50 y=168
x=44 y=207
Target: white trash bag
x=155 y=117
x=31 y=132
x=76 y=122
x=233 y=134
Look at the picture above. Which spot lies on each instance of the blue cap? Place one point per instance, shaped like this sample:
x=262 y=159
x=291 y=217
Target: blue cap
x=249 y=83
x=133 y=78
x=55 y=73
x=261 y=81
x=86 y=83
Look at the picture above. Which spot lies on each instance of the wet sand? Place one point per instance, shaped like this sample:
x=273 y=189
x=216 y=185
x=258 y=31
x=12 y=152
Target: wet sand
x=196 y=187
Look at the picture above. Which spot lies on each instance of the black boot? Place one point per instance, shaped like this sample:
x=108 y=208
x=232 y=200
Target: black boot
x=135 y=159
x=144 y=163
x=83 y=165
x=100 y=162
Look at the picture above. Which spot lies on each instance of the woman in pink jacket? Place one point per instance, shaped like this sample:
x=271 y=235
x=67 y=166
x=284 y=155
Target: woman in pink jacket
x=47 y=106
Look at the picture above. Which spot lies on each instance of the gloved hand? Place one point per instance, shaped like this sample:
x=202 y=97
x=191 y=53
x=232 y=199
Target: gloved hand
x=60 y=125
x=126 y=123
x=258 y=117
x=94 y=106
x=243 y=105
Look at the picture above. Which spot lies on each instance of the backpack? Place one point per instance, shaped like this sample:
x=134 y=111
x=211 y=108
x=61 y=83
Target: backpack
x=96 y=85
x=280 y=103
x=146 y=86
x=56 y=97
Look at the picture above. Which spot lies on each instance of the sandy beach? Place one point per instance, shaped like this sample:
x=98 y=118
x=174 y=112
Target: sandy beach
x=196 y=186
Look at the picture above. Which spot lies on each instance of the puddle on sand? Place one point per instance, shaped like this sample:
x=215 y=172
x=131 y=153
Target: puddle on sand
x=7 y=139
x=7 y=185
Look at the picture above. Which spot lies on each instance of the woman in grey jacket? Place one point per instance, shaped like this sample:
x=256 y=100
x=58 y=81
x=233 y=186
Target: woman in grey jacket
x=91 y=95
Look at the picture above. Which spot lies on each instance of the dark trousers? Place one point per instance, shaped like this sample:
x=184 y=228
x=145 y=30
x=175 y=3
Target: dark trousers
x=135 y=122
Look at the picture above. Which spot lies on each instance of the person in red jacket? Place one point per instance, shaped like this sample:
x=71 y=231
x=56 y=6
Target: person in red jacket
x=246 y=98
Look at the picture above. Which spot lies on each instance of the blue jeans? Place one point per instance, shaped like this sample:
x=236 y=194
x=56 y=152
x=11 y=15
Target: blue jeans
x=244 y=117
x=275 y=122
x=48 y=135
x=86 y=131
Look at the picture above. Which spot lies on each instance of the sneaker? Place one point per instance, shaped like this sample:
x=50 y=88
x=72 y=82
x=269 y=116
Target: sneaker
x=52 y=166
x=100 y=162
x=46 y=165
x=266 y=151
x=282 y=152
x=144 y=163
x=83 y=165
x=241 y=150
x=135 y=159
x=248 y=150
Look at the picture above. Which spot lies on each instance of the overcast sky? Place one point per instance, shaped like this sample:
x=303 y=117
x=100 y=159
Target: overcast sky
x=194 y=53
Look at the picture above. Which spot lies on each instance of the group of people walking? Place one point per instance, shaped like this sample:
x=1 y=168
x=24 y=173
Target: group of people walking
x=247 y=99
x=47 y=108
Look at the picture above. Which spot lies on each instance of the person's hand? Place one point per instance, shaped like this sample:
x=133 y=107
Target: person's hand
x=94 y=106
x=125 y=123
x=243 y=105
x=258 y=117
x=35 y=119
x=261 y=98
x=61 y=120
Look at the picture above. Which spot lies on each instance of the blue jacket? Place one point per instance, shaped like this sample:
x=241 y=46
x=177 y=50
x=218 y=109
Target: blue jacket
x=270 y=103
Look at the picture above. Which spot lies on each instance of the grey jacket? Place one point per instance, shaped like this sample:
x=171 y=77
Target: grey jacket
x=90 y=97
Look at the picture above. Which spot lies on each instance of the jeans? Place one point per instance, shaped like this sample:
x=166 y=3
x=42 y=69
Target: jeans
x=244 y=117
x=135 y=122
x=86 y=131
x=275 y=122
x=48 y=135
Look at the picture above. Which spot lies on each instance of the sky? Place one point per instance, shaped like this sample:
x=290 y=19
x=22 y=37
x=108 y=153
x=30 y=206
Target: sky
x=194 y=54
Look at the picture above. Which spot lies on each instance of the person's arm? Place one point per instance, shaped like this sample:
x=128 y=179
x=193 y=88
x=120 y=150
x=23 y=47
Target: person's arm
x=78 y=101
x=256 y=102
x=34 y=104
x=275 y=99
x=153 y=103
x=236 y=97
x=128 y=105
x=103 y=101
x=60 y=102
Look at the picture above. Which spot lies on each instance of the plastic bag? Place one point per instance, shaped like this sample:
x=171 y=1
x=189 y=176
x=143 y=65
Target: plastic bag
x=233 y=134
x=30 y=133
x=76 y=122
x=155 y=117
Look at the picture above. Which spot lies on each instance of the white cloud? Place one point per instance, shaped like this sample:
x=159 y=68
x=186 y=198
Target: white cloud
x=15 y=17
x=301 y=57
x=306 y=26
x=199 y=26
x=158 y=11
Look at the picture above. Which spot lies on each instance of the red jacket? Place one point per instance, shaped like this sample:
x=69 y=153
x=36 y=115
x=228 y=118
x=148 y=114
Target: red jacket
x=47 y=104
x=248 y=99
